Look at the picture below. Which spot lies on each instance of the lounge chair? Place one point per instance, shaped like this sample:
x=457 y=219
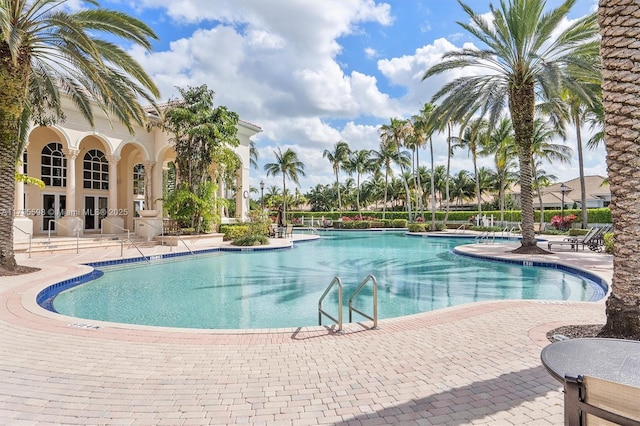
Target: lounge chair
x=593 y=239
x=288 y=231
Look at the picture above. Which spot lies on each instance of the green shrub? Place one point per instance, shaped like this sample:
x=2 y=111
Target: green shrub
x=416 y=227
x=608 y=242
x=386 y=223
x=251 y=240
x=376 y=224
x=233 y=232
x=440 y=226
x=399 y=223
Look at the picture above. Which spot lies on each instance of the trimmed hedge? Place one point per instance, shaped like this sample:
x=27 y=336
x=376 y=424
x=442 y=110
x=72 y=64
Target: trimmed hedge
x=416 y=227
x=601 y=215
x=234 y=231
x=399 y=223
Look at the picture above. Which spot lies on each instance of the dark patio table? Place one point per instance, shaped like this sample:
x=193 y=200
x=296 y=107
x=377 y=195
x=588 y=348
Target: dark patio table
x=614 y=360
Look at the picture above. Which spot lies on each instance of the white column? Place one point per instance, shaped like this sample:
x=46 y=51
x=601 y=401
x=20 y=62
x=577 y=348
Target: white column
x=20 y=220
x=113 y=183
x=113 y=223
x=71 y=224
x=71 y=155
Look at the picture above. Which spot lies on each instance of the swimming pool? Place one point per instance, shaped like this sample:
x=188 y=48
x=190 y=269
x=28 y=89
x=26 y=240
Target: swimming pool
x=281 y=288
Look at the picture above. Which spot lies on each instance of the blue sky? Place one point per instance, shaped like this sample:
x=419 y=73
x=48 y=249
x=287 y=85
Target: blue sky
x=313 y=72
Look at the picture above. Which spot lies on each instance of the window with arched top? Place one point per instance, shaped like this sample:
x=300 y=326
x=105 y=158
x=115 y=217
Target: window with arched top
x=53 y=165
x=95 y=170
x=138 y=179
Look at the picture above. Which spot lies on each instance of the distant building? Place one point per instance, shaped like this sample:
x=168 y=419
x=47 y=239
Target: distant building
x=596 y=189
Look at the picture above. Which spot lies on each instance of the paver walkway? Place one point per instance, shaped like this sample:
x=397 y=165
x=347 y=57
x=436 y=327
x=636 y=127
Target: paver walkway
x=473 y=364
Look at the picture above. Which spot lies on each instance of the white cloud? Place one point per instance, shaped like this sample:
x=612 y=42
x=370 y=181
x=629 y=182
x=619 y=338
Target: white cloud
x=277 y=66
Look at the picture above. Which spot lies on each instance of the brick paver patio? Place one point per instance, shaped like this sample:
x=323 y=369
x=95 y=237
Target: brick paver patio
x=473 y=364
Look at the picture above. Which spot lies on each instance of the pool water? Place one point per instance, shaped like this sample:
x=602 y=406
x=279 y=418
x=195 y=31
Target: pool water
x=281 y=288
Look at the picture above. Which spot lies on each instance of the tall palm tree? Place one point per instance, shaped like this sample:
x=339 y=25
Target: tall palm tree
x=288 y=165
x=579 y=110
x=524 y=59
x=425 y=124
x=337 y=158
x=501 y=145
x=471 y=140
x=395 y=133
x=253 y=155
x=45 y=49
x=359 y=162
x=619 y=21
x=543 y=149
x=384 y=158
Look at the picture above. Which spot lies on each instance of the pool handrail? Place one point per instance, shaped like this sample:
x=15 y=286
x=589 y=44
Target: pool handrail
x=335 y=281
x=27 y=234
x=77 y=235
x=370 y=278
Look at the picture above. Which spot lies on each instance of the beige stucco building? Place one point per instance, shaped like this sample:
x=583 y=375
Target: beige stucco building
x=98 y=179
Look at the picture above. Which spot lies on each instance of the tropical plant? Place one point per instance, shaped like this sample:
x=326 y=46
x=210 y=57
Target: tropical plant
x=384 y=158
x=287 y=165
x=501 y=145
x=45 y=49
x=473 y=136
x=337 y=158
x=395 y=134
x=424 y=126
x=526 y=56
x=359 y=162
x=253 y=155
x=619 y=21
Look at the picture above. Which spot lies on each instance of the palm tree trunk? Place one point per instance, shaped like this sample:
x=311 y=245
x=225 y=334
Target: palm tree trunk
x=521 y=107
x=284 y=199
x=338 y=190
x=386 y=191
x=433 y=188
x=583 y=191
x=446 y=214
x=406 y=187
x=475 y=170
x=619 y=21
x=535 y=179
x=419 y=185
x=13 y=92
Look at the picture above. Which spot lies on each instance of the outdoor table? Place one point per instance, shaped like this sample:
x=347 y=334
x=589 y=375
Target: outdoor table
x=614 y=360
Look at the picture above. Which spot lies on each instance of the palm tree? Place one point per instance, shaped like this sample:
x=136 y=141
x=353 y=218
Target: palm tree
x=384 y=158
x=395 y=133
x=471 y=139
x=45 y=49
x=253 y=155
x=524 y=60
x=290 y=167
x=543 y=149
x=501 y=145
x=619 y=20
x=425 y=124
x=578 y=111
x=337 y=158
x=359 y=162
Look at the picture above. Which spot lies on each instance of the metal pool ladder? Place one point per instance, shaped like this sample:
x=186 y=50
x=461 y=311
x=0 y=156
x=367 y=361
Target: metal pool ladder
x=374 y=318
x=337 y=281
